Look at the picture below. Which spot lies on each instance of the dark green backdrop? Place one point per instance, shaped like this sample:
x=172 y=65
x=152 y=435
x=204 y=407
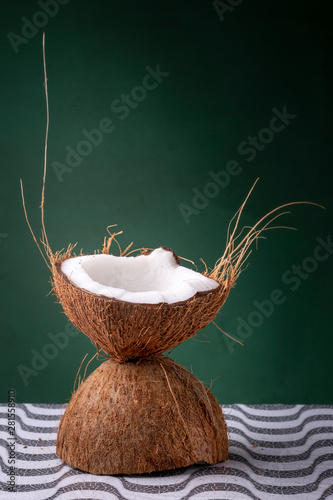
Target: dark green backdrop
x=225 y=70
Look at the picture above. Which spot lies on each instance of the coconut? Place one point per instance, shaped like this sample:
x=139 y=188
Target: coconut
x=136 y=307
x=140 y=417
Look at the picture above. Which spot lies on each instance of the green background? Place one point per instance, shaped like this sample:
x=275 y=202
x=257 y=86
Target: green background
x=225 y=77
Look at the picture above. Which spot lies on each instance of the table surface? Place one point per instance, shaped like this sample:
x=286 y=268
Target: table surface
x=276 y=452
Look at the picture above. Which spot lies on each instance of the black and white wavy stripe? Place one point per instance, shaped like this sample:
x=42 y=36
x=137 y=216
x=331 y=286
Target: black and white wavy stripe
x=276 y=452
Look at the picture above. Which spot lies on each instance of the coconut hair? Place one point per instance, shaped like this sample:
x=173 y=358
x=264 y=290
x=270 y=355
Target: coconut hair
x=238 y=245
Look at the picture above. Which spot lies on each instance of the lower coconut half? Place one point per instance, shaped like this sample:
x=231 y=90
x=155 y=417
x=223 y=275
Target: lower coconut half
x=141 y=417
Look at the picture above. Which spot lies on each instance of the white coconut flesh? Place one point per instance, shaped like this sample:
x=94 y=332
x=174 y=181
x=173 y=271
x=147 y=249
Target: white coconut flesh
x=145 y=279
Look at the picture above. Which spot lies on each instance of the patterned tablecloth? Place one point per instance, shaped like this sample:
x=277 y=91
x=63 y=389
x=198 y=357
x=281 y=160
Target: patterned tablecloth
x=276 y=452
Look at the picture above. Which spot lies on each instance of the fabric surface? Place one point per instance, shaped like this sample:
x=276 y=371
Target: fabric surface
x=276 y=452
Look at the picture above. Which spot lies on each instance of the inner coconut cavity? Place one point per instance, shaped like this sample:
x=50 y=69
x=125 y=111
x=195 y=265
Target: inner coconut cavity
x=145 y=279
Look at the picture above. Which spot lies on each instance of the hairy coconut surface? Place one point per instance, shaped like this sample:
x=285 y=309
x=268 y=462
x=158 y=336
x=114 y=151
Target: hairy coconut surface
x=128 y=330
x=140 y=417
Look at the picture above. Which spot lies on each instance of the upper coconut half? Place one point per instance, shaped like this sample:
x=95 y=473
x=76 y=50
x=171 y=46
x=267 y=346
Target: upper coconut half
x=136 y=306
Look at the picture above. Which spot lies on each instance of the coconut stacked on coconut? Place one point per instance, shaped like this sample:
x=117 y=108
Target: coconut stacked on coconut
x=139 y=411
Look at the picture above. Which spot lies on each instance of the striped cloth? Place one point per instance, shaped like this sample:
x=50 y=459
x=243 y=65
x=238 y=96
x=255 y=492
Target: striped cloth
x=276 y=452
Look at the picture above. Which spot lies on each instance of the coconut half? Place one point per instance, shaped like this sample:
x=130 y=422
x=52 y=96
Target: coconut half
x=136 y=306
x=135 y=418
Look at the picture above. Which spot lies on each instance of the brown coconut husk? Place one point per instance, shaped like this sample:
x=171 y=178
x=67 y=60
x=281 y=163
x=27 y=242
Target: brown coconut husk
x=125 y=330
x=140 y=417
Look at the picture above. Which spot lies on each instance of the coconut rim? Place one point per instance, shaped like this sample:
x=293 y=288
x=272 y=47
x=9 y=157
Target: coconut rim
x=58 y=263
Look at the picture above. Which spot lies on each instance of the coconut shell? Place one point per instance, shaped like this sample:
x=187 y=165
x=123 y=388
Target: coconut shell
x=141 y=417
x=126 y=330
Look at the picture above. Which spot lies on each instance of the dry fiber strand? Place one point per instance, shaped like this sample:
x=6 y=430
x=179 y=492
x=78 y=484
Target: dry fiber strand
x=140 y=417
